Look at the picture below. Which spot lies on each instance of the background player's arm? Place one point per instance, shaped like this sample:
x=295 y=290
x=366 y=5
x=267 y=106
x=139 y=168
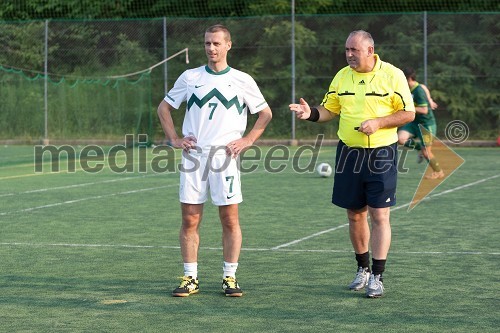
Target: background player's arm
x=432 y=104
x=164 y=113
x=422 y=109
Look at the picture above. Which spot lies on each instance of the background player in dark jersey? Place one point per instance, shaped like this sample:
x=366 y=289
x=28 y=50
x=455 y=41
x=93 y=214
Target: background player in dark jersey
x=425 y=117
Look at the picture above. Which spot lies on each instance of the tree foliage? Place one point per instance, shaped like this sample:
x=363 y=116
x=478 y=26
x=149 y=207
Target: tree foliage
x=462 y=62
x=92 y=9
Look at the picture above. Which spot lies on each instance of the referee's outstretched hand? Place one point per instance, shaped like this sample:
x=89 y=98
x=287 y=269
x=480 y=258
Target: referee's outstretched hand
x=302 y=110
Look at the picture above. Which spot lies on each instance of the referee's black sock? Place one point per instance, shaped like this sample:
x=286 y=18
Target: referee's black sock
x=378 y=267
x=363 y=260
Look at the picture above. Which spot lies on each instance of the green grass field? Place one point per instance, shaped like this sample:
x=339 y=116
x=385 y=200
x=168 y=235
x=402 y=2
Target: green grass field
x=71 y=243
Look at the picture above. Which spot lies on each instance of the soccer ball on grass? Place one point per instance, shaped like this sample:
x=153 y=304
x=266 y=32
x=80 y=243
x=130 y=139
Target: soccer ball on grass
x=324 y=170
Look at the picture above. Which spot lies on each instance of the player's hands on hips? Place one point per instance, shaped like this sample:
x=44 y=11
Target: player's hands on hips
x=186 y=143
x=302 y=110
x=236 y=147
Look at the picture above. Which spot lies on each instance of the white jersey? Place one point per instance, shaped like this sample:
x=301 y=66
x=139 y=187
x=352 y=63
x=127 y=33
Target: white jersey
x=217 y=104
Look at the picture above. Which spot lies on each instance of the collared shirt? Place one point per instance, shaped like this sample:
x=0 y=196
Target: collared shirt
x=357 y=97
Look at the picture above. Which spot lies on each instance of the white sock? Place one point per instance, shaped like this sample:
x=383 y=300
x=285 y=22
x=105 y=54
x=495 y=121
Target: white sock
x=229 y=269
x=191 y=269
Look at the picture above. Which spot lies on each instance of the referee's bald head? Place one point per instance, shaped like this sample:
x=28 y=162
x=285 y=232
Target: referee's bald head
x=364 y=35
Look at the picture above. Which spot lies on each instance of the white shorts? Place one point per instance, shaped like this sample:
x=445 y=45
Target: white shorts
x=218 y=173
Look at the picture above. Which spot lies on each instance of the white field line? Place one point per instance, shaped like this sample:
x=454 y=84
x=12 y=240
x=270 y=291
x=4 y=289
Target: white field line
x=276 y=248
x=308 y=237
x=74 y=185
x=87 y=198
x=461 y=187
x=119 y=158
x=81 y=199
x=100 y=182
x=279 y=247
x=393 y=209
x=128 y=246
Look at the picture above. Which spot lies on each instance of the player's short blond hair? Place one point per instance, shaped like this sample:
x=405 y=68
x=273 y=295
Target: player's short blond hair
x=220 y=27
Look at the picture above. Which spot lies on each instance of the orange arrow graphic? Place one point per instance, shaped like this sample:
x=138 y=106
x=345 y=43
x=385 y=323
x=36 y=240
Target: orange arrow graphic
x=448 y=160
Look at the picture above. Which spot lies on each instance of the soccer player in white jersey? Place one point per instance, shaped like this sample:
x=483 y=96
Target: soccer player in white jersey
x=218 y=98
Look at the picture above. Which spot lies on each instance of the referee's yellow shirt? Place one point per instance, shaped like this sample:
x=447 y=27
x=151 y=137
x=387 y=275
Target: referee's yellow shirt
x=357 y=97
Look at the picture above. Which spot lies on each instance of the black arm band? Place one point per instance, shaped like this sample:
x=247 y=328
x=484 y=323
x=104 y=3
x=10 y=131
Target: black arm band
x=314 y=116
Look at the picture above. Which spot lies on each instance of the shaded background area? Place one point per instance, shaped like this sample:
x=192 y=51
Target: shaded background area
x=65 y=70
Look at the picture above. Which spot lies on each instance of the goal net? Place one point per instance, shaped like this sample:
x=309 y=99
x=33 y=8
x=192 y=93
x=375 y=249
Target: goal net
x=82 y=80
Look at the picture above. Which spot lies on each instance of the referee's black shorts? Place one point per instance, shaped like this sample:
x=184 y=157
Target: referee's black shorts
x=365 y=176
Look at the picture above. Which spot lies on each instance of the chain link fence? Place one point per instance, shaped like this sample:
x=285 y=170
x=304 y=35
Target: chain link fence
x=75 y=79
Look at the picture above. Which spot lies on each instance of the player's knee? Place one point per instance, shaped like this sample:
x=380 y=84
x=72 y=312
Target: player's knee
x=230 y=222
x=356 y=217
x=402 y=140
x=191 y=221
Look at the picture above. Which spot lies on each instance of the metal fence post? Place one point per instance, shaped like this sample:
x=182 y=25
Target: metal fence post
x=165 y=73
x=425 y=46
x=45 y=93
x=293 y=69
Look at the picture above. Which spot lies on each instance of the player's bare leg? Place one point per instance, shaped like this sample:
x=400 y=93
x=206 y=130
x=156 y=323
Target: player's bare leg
x=189 y=239
x=189 y=236
x=231 y=243
x=403 y=136
x=429 y=156
x=231 y=232
x=380 y=244
x=427 y=151
x=381 y=232
x=359 y=230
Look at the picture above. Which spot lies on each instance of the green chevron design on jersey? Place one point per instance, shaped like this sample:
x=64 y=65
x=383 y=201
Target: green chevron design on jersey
x=215 y=93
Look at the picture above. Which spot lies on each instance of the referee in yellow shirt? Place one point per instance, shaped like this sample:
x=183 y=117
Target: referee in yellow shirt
x=372 y=99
